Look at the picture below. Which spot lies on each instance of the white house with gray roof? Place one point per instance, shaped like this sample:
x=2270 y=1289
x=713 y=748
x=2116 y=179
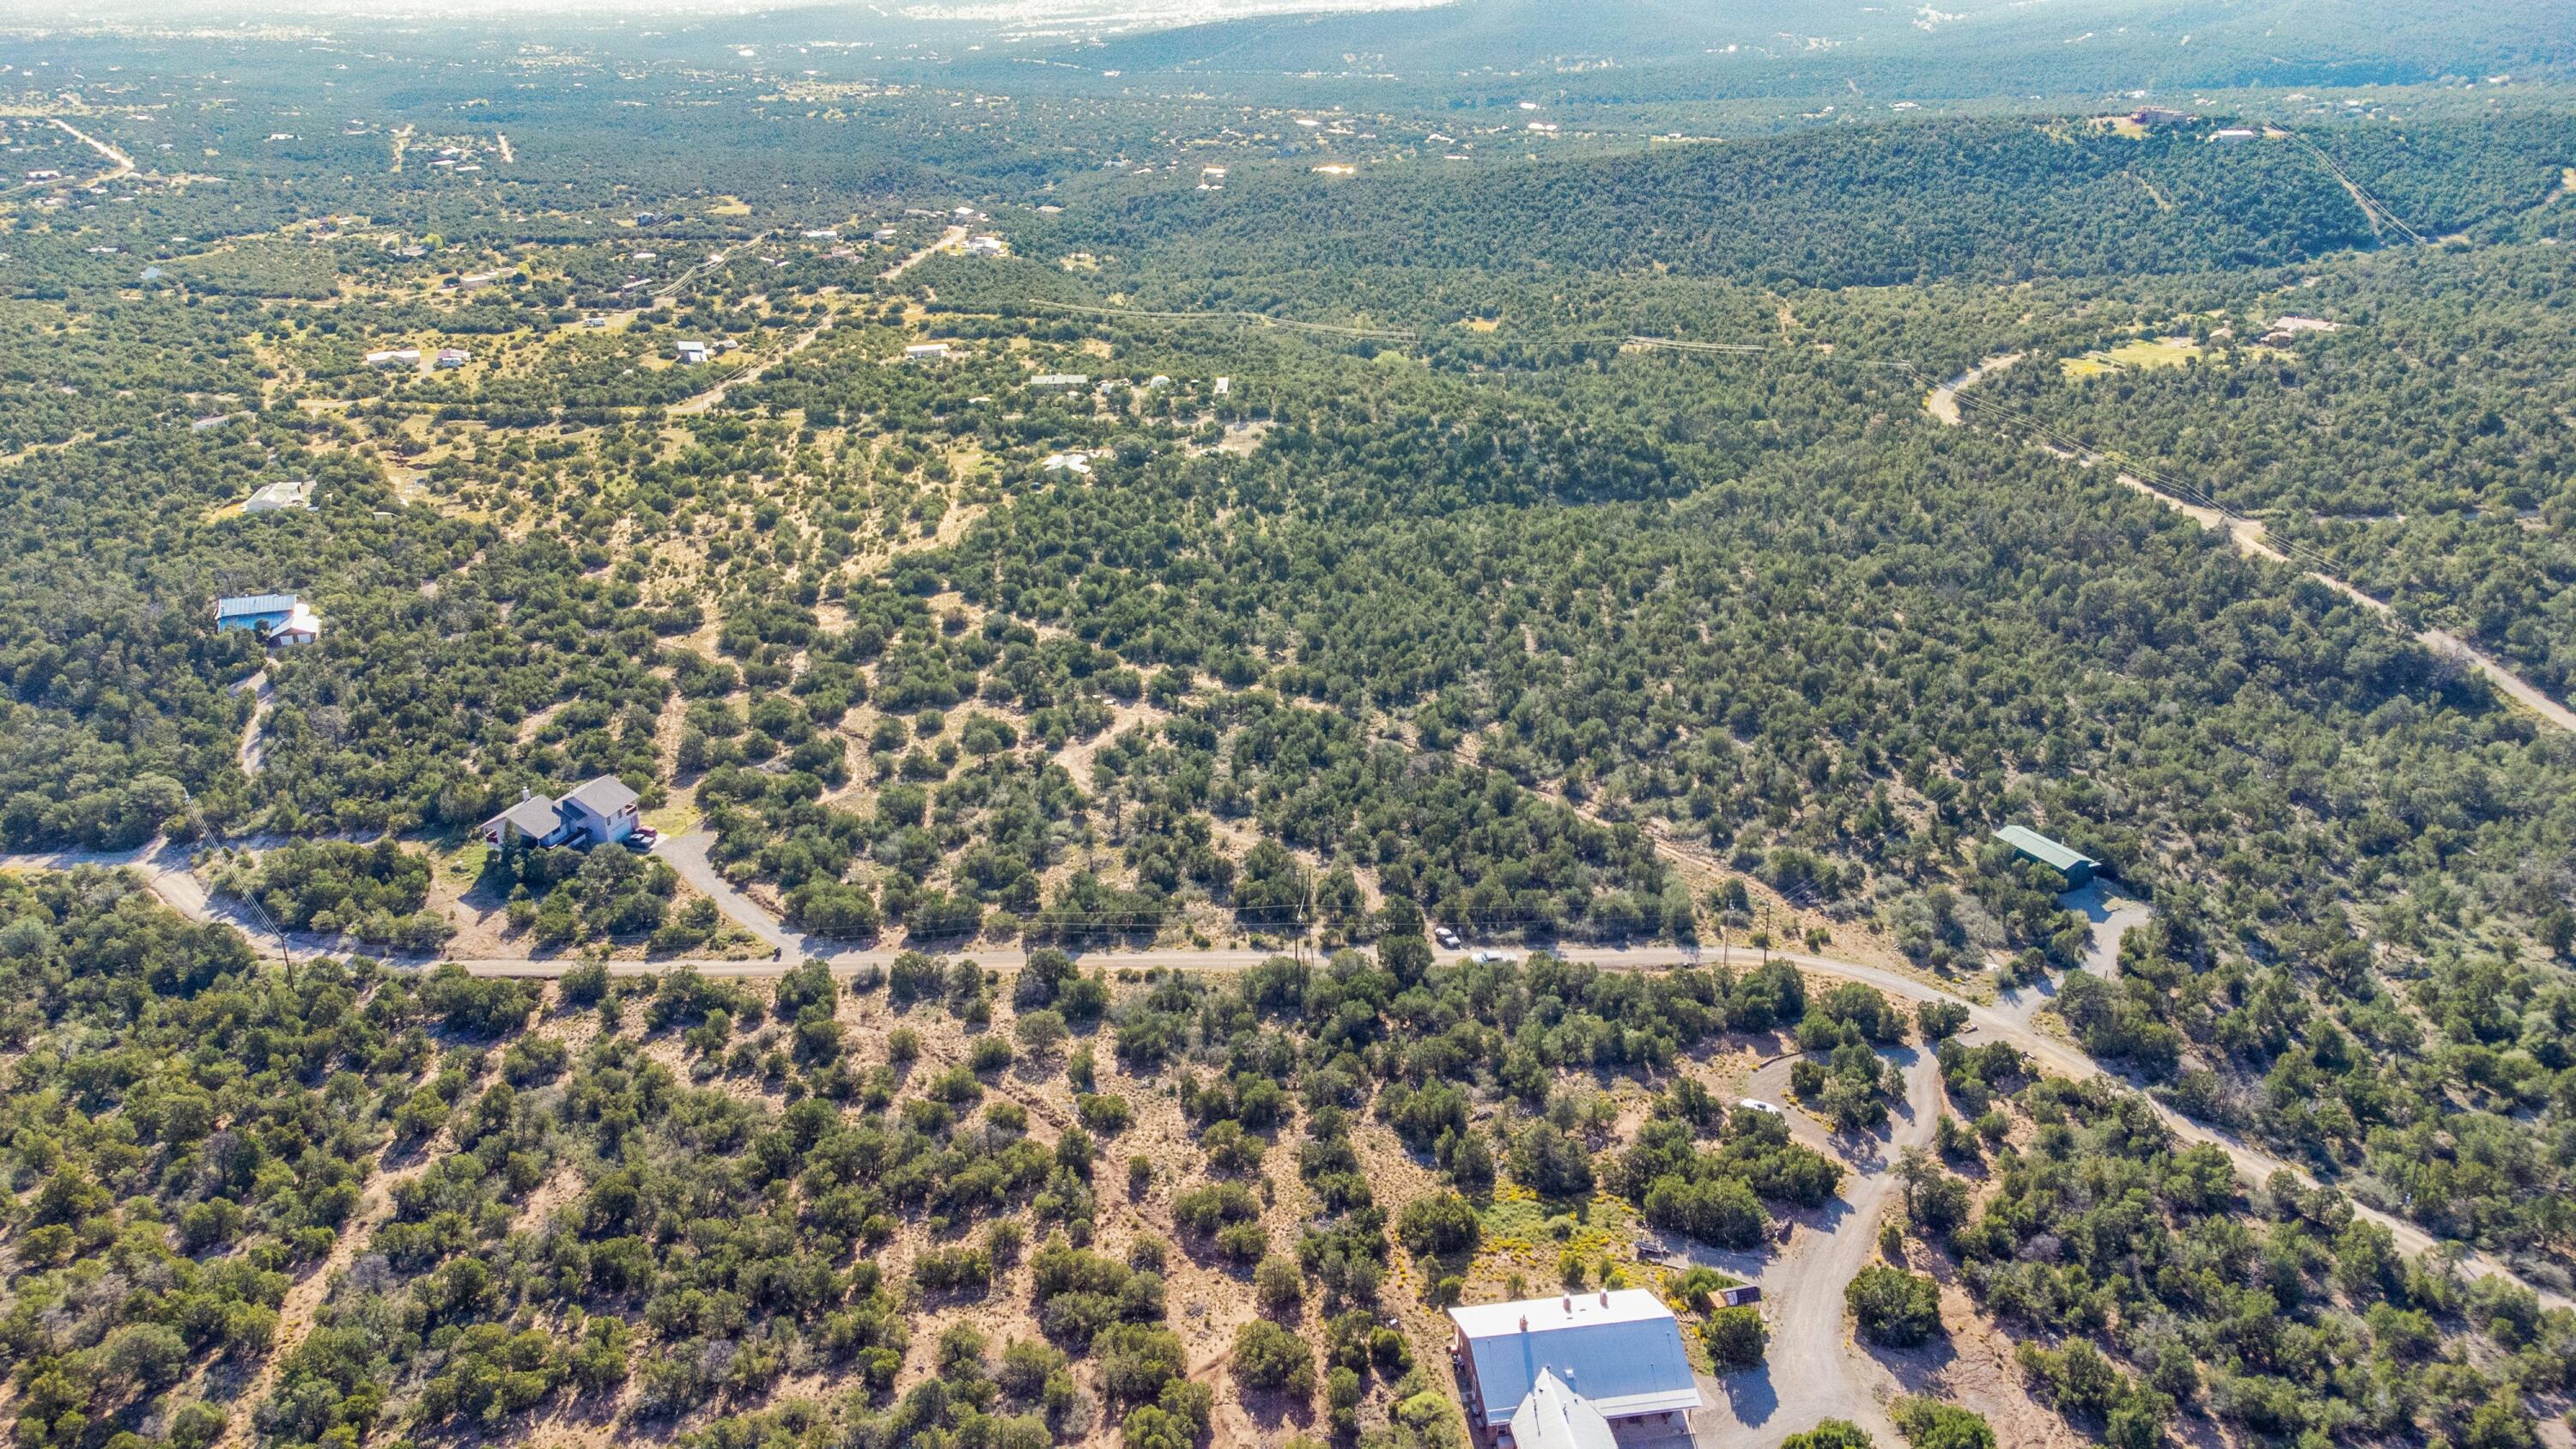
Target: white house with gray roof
x=599 y=811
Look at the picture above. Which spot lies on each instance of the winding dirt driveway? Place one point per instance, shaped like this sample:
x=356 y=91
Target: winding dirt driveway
x=1813 y=1370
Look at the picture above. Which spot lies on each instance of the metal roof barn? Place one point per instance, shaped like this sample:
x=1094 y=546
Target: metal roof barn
x=2077 y=867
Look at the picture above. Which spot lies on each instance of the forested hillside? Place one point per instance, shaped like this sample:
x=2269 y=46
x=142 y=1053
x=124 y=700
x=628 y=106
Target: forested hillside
x=1087 y=585
x=1859 y=206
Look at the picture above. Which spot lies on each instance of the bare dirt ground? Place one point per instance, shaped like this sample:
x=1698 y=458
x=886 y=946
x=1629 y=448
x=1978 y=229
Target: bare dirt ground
x=1943 y=403
x=395 y=1165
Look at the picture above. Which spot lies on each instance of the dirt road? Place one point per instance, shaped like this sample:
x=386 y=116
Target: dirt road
x=716 y=394
x=2113 y=915
x=1814 y=1370
x=120 y=165
x=253 y=748
x=2250 y=537
x=1943 y=401
x=954 y=236
x=165 y=870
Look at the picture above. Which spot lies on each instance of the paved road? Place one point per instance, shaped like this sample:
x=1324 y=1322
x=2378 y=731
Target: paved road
x=165 y=870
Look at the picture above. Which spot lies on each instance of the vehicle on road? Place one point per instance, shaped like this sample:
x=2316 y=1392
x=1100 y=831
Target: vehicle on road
x=1767 y=1109
x=1446 y=937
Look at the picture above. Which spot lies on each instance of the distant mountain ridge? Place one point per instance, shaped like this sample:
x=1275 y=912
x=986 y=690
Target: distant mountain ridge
x=1645 y=50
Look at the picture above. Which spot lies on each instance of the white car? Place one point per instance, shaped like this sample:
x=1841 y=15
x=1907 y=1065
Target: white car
x=1446 y=937
x=1756 y=1104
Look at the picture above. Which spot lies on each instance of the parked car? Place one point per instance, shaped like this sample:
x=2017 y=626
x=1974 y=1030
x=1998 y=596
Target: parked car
x=643 y=838
x=1756 y=1104
x=1446 y=937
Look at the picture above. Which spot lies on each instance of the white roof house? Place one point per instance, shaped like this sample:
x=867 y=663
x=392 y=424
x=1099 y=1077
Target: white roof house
x=983 y=246
x=280 y=619
x=1556 y=1417
x=926 y=352
x=2231 y=136
x=452 y=357
x=1619 y=1351
x=395 y=357
x=689 y=351
x=1068 y=463
x=281 y=494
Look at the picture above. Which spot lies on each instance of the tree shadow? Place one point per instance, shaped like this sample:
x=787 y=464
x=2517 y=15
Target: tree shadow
x=1275 y=1408
x=1921 y=1369
x=1750 y=1396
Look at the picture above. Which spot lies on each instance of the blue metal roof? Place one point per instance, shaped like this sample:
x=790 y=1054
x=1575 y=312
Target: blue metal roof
x=253 y=604
x=1636 y=1367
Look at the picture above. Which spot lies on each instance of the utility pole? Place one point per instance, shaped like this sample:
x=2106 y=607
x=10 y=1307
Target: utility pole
x=285 y=948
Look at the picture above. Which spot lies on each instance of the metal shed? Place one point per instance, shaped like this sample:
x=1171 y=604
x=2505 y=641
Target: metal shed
x=2029 y=844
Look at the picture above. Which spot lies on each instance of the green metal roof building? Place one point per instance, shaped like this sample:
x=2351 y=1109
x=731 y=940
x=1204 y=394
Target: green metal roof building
x=2029 y=844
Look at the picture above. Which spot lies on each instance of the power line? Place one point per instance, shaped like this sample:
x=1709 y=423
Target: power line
x=1263 y=319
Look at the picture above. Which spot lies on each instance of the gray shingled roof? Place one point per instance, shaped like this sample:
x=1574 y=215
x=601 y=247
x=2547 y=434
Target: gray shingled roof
x=536 y=818
x=604 y=795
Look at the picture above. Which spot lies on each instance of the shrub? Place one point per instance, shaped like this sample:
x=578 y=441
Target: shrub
x=1736 y=1338
x=1549 y=1163
x=1137 y=1360
x=1930 y=1425
x=1278 y=1284
x=1267 y=1356
x=1437 y=1225
x=944 y=1270
x=1040 y=1033
x=1213 y=1205
x=1107 y=1114
x=1894 y=1308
